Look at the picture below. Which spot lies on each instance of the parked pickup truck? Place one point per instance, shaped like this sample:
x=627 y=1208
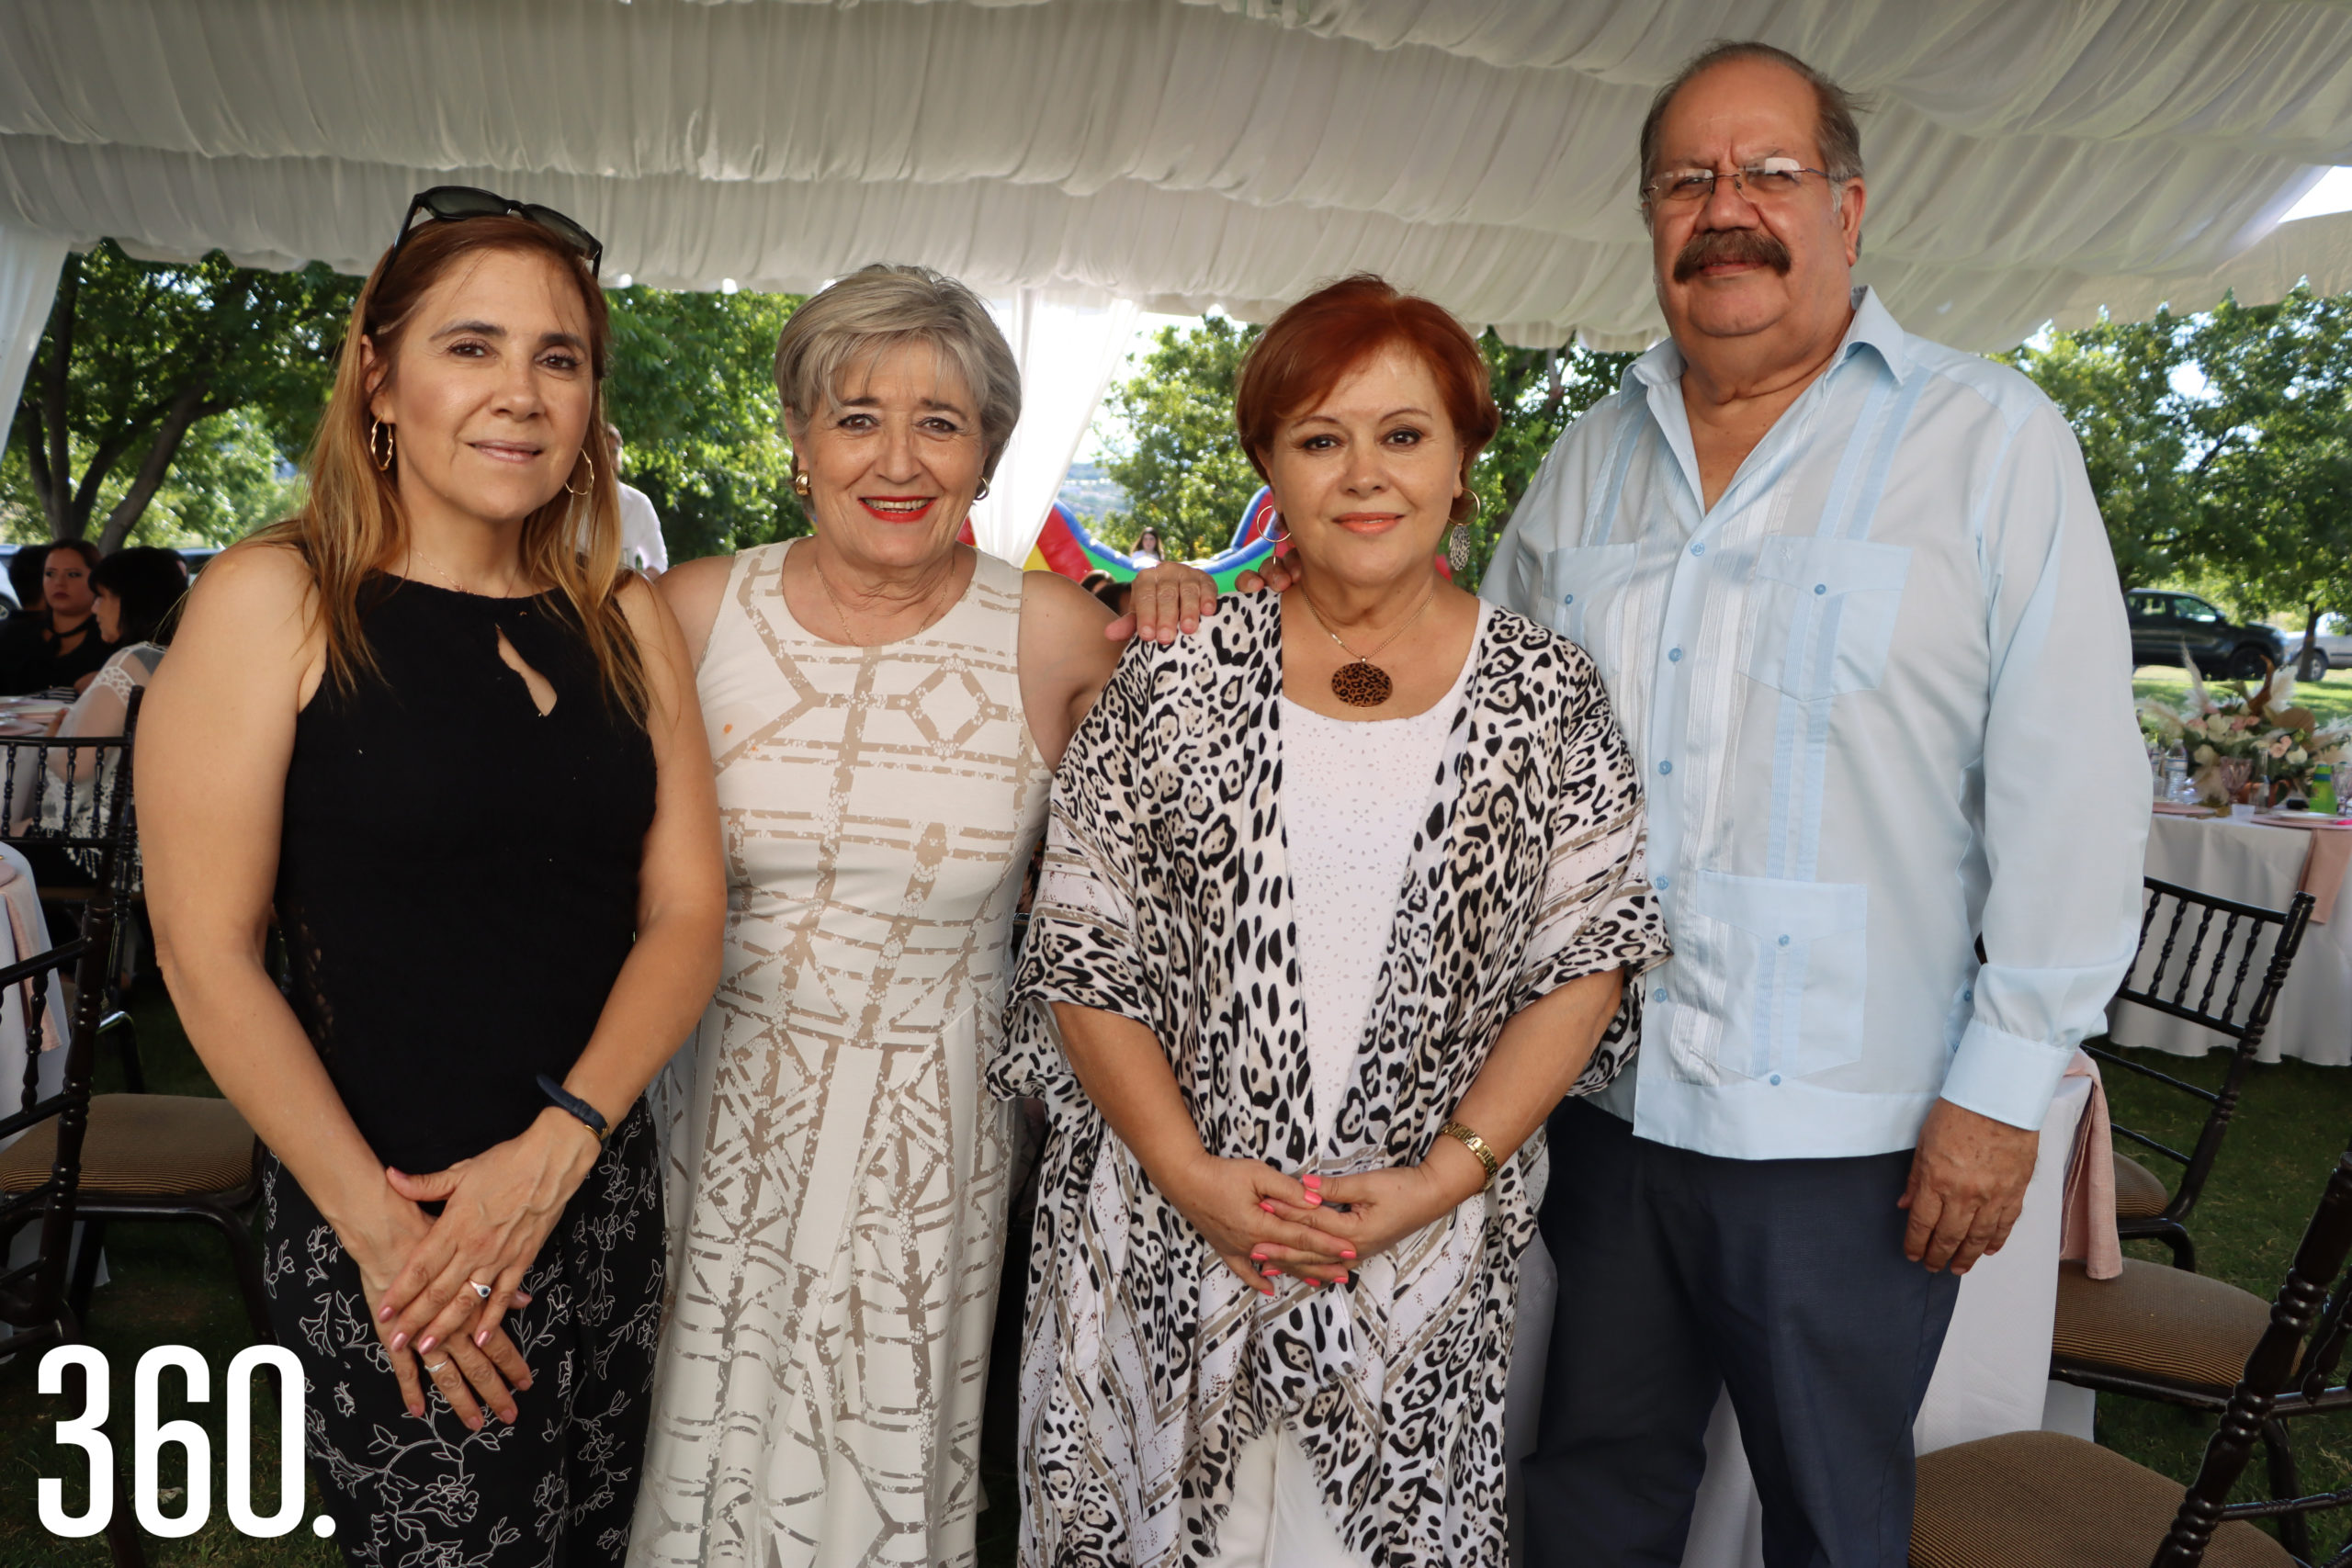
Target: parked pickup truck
x=2165 y=621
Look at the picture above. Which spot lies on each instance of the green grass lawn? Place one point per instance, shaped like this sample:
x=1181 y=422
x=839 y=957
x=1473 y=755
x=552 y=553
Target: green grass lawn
x=171 y=1285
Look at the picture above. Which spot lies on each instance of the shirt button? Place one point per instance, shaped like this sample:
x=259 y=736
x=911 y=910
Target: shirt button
x=1698 y=549
x=1784 y=942
x=1969 y=995
x=1663 y=883
x=1567 y=598
x=1776 y=1078
x=1658 y=994
x=1821 y=588
x=1673 y=656
x=1666 y=767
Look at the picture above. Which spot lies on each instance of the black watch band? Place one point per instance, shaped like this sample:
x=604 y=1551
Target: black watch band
x=563 y=1099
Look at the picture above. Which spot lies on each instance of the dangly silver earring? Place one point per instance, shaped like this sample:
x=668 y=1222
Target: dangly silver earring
x=1457 y=542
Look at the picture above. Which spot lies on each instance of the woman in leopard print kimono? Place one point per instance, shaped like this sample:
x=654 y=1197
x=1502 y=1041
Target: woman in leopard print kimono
x=1300 y=965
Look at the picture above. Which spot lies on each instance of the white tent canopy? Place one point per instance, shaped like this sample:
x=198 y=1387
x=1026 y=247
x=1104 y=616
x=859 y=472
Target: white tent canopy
x=2029 y=159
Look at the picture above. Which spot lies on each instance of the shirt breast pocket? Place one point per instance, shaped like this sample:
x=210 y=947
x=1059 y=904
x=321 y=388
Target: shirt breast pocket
x=1826 y=614
x=1579 y=580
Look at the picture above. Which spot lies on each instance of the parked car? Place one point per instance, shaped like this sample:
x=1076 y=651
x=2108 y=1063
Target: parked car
x=2327 y=653
x=2165 y=623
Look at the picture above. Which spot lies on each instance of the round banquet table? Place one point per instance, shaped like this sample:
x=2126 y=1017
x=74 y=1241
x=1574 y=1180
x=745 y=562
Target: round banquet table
x=1992 y=1377
x=2253 y=865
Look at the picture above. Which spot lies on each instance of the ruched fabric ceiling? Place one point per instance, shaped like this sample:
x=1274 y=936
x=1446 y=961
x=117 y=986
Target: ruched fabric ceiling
x=2029 y=159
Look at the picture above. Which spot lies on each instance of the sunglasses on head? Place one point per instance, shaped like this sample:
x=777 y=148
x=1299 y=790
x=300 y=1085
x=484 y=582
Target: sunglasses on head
x=452 y=204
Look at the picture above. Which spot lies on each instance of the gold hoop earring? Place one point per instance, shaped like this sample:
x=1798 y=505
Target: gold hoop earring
x=391 y=443
x=575 y=495
x=799 y=482
x=981 y=494
x=1274 y=521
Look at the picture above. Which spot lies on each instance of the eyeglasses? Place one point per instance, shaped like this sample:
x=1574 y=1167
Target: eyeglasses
x=1772 y=179
x=452 y=204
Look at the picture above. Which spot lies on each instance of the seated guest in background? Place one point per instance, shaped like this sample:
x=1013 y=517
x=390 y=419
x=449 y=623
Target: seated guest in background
x=887 y=707
x=642 y=547
x=134 y=592
x=56 y=645
x=463 y=760
x=26 y=563
x=1340 y=898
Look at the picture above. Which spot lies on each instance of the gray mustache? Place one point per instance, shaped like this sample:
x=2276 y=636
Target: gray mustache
x=1712 y=246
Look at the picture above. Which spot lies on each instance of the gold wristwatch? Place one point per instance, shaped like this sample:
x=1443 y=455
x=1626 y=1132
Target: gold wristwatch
x=1476 y=1145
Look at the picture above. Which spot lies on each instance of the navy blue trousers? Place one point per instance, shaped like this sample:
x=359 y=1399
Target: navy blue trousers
x=1681 y=1274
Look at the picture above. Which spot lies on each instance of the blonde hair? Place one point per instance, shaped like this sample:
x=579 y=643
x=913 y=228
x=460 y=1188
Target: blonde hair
x=352 y=526
x=881 y=307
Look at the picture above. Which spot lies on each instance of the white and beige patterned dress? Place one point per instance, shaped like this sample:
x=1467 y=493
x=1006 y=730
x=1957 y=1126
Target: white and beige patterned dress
x=837 y=1173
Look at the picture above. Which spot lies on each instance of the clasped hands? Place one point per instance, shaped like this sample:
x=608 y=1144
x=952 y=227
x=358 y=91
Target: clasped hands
x=418 y=1271
x=1263 y=1222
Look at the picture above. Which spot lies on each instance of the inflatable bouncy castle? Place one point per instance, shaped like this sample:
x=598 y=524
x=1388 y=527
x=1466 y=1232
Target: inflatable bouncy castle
x=1067 y=547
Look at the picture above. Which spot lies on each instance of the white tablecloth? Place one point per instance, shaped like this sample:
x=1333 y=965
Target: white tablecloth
x=1992 y=1377
x=2253 y=865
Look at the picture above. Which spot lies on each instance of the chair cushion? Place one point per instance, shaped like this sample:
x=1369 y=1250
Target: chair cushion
x=169 y=1145
x=2139 y=1194
x=2159 y=1323
x=2045 y=1500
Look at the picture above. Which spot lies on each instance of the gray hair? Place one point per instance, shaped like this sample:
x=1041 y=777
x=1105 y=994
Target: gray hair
x=881 y=307
x=1841 y=139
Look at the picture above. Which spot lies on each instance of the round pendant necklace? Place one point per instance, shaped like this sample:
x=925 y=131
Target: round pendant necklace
x=1361 y=683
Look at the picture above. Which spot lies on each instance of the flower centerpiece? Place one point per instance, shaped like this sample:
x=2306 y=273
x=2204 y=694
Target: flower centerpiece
x=2240 y=737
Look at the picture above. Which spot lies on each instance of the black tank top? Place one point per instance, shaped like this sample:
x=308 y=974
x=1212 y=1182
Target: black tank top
x=457 y=880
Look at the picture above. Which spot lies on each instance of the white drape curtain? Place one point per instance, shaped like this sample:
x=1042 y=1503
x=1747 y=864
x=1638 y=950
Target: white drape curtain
x=29 y=262
x=2027 y=157
x=1068 y=347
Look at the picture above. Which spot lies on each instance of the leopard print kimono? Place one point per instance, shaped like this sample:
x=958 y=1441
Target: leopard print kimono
x=1147 y=1364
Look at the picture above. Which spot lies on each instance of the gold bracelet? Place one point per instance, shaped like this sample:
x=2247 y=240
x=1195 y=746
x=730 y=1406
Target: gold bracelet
x=1476 y=1145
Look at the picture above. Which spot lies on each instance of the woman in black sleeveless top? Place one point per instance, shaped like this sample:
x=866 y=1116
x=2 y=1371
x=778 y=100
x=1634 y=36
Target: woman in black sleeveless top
x=465 y=765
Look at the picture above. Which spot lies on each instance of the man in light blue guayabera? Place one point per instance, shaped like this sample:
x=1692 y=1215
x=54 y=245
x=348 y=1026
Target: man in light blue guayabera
x=1855 y=611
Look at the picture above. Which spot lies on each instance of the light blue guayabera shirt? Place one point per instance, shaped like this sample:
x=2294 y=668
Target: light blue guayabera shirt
x=1881 y=695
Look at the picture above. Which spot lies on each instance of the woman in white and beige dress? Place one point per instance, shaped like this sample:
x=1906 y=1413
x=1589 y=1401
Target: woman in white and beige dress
x=886 y=707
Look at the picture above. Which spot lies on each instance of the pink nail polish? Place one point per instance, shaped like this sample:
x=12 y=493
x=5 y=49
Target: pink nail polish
x=400 y=1339
x=1349 y=1253
x=383 y=1314
x=1311 y=1181
x=1314 y=1199
x=1257 y=1258
x=426 y=1343
x=482 y=1338
x=1267 y=1204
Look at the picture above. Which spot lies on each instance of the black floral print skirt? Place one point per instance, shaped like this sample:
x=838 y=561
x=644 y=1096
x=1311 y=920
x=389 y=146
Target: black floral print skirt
x=554 y=1490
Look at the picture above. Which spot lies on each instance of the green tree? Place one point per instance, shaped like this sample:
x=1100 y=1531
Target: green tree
x=692 y=389
x=2275 y=474
x=1185 y=475
x=2138 y=431
x=138 y=356
x=1541 y=392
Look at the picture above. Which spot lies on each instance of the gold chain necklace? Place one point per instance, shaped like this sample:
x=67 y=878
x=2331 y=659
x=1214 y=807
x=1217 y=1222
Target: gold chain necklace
x=456 y=582
x=1361 y=683
x=848 y=636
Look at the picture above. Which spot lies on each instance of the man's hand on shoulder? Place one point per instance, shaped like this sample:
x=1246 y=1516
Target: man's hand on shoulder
x=1968 y=1182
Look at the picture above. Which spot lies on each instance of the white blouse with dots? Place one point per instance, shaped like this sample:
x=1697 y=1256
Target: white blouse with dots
x=1352 y=793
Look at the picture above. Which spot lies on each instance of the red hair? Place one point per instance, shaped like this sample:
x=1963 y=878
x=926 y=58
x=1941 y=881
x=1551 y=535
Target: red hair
x=1314 y=345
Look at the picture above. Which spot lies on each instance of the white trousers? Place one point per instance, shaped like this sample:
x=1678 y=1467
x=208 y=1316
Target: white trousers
x=1277 y=1520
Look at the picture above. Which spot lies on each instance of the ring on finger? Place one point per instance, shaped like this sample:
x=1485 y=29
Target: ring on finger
x=478 y=1287
x=436 y=1369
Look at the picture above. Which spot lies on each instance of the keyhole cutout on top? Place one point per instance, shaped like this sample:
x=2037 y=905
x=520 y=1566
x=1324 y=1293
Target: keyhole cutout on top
x=542 y=695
